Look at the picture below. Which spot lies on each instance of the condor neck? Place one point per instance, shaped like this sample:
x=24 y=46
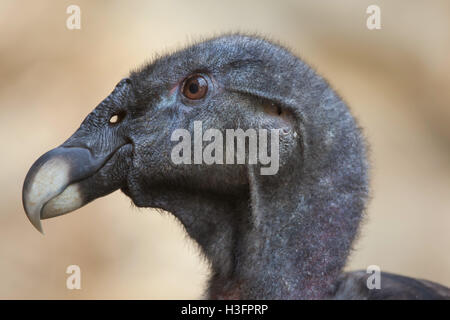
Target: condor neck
x=289 y=235
x=289 y=239
x=301 y=229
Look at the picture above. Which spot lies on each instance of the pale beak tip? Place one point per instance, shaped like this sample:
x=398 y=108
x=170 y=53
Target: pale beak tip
x=36 y=222
x=38 y=226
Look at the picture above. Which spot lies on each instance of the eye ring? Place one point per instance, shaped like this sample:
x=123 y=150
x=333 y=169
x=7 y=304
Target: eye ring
x=195 y=87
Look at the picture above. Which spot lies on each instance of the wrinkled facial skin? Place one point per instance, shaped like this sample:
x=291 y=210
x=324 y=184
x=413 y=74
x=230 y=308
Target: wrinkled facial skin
x=134 y=153
x=152 y=165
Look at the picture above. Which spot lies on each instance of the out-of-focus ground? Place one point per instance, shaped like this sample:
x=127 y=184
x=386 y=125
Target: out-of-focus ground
x=397 y=81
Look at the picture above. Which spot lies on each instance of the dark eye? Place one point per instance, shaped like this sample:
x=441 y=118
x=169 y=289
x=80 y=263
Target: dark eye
x=195 y=87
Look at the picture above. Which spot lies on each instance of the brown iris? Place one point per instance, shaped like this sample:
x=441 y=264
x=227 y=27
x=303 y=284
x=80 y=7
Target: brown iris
x=195 y=87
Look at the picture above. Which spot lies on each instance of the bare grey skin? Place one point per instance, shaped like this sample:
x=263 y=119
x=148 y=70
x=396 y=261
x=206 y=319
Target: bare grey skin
x=282 y=236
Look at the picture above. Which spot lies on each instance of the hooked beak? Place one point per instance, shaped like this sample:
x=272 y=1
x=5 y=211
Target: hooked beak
x=51 y=187
x=70 y=176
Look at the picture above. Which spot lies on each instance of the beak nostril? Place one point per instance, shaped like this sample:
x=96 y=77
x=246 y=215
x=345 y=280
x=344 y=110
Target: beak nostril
x=117 y=117
x=114 y=119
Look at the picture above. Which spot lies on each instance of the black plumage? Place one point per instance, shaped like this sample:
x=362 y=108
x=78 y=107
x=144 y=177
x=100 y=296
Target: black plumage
x=281 y=236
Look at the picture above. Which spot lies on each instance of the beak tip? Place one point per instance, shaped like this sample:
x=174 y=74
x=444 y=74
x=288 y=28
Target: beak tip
x=35 y=221
x=51 y=185
x=38 y=227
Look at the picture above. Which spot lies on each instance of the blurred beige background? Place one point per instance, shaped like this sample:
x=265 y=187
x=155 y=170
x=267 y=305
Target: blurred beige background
x=396 y=80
